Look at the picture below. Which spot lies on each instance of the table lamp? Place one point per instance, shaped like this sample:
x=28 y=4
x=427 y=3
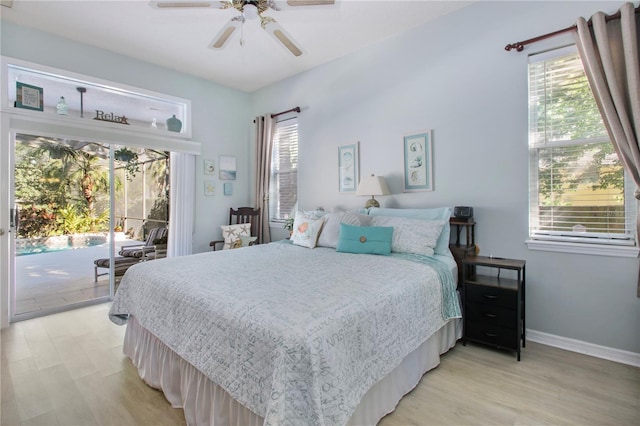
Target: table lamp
x=372 y=185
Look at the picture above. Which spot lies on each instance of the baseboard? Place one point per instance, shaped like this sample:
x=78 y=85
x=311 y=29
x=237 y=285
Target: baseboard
x=617 y=355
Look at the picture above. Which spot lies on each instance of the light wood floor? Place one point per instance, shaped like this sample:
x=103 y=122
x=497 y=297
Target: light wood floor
x=68 y=369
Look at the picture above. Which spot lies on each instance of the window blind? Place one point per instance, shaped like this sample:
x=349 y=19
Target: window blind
x=577 y=185
x=283 y=188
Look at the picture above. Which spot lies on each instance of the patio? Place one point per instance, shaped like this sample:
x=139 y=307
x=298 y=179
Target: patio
x=53 y=280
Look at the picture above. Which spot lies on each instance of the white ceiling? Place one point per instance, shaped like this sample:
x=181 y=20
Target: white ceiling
x=179 y=38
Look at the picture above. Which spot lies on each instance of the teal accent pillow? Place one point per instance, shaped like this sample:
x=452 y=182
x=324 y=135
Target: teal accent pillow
x=439 y=213
x=365 y=239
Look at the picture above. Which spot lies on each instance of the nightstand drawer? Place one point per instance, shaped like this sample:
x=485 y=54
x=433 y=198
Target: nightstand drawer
x=499 y=336
x=492 y=314
x=491 y=295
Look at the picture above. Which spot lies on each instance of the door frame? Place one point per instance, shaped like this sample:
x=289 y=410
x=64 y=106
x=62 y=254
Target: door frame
x=22 y=120
x=9 y=245
x=30 y=122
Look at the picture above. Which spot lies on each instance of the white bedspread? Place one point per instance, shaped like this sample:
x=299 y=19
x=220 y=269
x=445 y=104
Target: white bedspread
x=296 y=335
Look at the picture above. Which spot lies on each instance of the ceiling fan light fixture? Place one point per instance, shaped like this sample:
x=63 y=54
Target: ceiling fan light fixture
x=250 y=11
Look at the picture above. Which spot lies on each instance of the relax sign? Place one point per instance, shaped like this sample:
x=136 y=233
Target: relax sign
x=102 y=116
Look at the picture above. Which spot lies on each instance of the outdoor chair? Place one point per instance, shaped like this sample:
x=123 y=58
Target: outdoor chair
x=148 y=247
x=153 y=248
x=121 y=265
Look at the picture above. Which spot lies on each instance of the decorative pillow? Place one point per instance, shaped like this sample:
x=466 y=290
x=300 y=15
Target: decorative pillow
x=247 y=241
x=306 y=230
x=412 y=235
x=440 y=213
x=331 y=229
x=232 y=234
x=365 y=239
x=314 y=214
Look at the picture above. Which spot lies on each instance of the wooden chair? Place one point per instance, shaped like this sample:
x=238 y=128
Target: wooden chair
x=243 y=215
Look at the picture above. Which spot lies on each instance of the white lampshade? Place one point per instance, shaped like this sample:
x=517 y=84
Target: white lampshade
x=373 y=185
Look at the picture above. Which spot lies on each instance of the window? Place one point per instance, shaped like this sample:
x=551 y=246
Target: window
x=577 y=188
x=283 y=188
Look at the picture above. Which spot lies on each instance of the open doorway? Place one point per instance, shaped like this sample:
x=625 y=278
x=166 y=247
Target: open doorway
x=76 y=205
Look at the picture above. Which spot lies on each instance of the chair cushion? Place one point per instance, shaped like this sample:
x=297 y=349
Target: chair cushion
x=104 y=263
x=139 y=250
x=247 y=241
x=136 y=252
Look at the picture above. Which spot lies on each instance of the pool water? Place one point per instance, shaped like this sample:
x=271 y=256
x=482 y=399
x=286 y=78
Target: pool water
x=45 y=249
x=37 y=246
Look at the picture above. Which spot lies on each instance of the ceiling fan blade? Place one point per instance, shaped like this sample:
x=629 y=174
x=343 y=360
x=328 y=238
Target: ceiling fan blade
x=293 y=4
x=186 y=4
x=276 y=31
x=309 y=2
x=221 y=39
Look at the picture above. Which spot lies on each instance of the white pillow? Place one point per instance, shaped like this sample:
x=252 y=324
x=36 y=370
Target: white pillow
x=232 y=233
x=414 y=236
x=247 y=241
x=306 y=230
x=331 y=229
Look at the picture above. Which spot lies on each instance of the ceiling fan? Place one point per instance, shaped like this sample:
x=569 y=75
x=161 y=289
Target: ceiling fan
x=249 y=10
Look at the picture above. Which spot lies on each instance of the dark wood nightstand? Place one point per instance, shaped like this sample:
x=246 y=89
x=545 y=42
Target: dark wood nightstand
x=460 y=250
x=494 y=306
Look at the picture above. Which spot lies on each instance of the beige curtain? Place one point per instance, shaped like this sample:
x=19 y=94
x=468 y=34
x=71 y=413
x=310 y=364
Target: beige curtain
x=609 y=53
x=264 y=145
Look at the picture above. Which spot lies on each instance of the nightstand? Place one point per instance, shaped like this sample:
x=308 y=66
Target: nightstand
x=494 y=306
x=468 y=248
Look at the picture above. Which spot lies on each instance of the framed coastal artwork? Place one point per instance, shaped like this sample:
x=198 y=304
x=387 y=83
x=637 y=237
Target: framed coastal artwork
x=209 y=187
x=348 y=159
x=418 y=162
x=209 y=167
x=227 y=167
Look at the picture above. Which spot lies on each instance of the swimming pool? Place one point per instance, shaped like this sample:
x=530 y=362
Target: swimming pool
x=38 y=245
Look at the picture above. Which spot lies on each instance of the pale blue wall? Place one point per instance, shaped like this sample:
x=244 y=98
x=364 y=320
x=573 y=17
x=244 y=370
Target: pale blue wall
x=220 y=114
x=453 y=76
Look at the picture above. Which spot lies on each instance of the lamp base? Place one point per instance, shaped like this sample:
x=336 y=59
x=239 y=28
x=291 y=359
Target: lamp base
x=372 y=203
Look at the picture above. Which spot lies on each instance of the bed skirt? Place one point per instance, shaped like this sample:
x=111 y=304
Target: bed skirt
x=206 y=403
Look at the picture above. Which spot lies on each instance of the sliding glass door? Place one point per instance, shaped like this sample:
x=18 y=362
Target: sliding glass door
x=74 y=209
x=69 y=192
x=61 y=200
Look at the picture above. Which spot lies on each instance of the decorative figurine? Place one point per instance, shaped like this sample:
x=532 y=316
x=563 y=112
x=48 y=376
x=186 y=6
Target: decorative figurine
x=62 y=108
x=173 y=124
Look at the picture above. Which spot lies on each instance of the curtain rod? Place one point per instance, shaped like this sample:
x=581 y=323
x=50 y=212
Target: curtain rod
x=519 y=46
x=296 y=109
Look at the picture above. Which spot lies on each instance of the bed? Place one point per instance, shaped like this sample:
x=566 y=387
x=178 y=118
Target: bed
x=281 y=334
